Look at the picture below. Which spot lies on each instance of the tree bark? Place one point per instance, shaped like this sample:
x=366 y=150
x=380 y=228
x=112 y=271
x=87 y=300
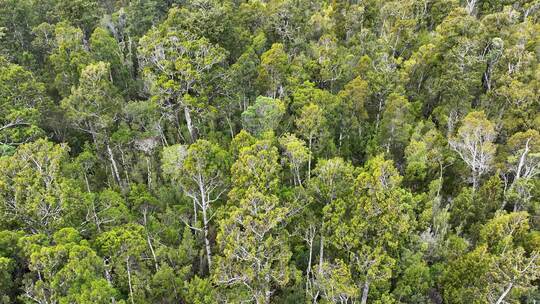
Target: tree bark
x=189 y=123
x=206 y=239
x=129 y=280
x=114 y=166
x=505 y=292
x=365 y=292
x=309 y=158
x=321 y=252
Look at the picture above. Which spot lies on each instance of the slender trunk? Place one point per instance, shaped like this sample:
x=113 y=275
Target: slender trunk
x=230 y=127
x=114 y=166
x=189 y=123
x=95 y=216
x=309 y=158
x=365 y=292
x=129 y=280
x=308 y=269
x=148 y=239
x=267 y=291
x=194 y=213
x=378 y=115
x=152 y=250
x=86 y=182
x=205 y=205
x=321 y=252
x=148 y=172
x=503 y=295
x=107 y=273
x=124 y=165
x=206 y=239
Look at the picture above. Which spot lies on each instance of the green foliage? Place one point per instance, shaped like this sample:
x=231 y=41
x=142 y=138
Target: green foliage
x=23 y=102
x=264 y=115
x=276 y=151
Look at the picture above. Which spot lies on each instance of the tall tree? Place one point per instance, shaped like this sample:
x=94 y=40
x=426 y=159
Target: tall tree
x=22 y=103
x=177 y=65
x=474 y=144
x=255 y=252
x=94 y=108
x=201 y=172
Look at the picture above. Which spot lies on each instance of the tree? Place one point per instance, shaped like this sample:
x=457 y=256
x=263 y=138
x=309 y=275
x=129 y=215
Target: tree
x=67 y=271
x=427 y=155
x=370 y=230
x=69 y=58
x=523 y=163
x=177 y=64
x=353 y=113
x=396 y=125
x=106 y=210
x=264 y=115
x=331 y=182
x=513 y=268
x=34 y=194
x=474 y=144
x=201 y=172
x=273 y=71
x=23 y=102
x=335 y=283
x=104 y=47
x=255 y=253
x=311 y=125
x=297 y=154
x=123 y=248
x=94 y=107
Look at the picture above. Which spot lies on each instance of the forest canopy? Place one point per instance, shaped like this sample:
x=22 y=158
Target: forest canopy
x=269 y=151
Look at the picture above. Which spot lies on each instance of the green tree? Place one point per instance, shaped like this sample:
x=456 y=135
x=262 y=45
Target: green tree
x=311 y=125
x=178 y=64
x=94 y=108
x=264 y=115
x=474 y=144
x=370 y=230
x=201 y=172
x=396 y=126
x=523 y=164
x=66 y=271
x=255 y=252
x=68 y=58
x=23 y=101
x=273 y=71
x=124 y=248
x=35 y=196
x=297 y=154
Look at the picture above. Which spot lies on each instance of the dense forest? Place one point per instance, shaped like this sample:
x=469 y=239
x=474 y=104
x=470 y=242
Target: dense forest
x=269 y=151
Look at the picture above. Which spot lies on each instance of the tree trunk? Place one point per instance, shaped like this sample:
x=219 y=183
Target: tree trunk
x=309 y=158
x=148 y=172
x=86 y=182
x=152 y=250
x=206 y=238
x=129 y=280
x=189 y=123
x=365 y=292
x=308 y=269
x=114 y=166
x=503 y=295
x=321 y=252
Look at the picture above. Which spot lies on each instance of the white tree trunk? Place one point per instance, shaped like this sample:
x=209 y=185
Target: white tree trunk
x=189 y=124
x=505 y=292
x=114 y=166
x=206 y=238
x=365 y=292
x=129 y=280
